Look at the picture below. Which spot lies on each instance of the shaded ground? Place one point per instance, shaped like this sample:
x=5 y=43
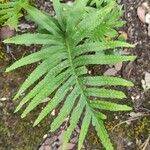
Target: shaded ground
x=128 y=131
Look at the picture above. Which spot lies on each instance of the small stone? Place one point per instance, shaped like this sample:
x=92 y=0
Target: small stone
x=141 y=12
x=146 y=81
x=7 y=32
x=74 y=140
x=69 y=3
x=3 y=99
x=130 y=143
x=134 y=115
x=111 y=72
x=147 y=18
x=47 y=99
x=45 y=148
x=90 y=72
x=50 y=140
x=68 y=147
x=77 y=129
x=45 y=136
x=118 y=66
x=53 y=113
x=145 y=5
x=61 y=137
x=116 y=117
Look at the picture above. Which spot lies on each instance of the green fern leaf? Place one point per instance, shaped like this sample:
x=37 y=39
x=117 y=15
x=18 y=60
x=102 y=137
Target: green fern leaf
x=35 y=57
x=69 y=44
x=75 y=116
x=7 y=5
x=59 y=96
x=29 y=39
x=42 y=69
x=102 y=133
x=10 y=12
x=41 y=85
x=104 y=93
x=100 y=115
x=103 y=60
x=109 y=106
x=65 y=111
x=43 y=20
x=100 y=46
x=58 y=10
x=84 y=128
x=46 y=91
x=105 y=80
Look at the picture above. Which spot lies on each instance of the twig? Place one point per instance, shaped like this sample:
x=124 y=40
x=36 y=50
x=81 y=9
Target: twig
x=145 y=144
x=9 y=51
x=130 y=119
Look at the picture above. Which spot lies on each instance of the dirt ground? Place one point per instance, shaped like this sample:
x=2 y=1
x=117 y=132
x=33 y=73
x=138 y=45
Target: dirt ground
x=128 y=131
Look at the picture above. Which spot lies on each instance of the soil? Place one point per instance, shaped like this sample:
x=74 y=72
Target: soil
x=128 y=131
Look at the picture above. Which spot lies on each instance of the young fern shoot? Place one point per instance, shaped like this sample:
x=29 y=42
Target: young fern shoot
x=69 y=44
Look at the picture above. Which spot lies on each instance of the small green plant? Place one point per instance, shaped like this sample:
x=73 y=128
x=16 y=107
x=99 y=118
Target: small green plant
x=69 y=44
x=99 y=3
x=10 y=12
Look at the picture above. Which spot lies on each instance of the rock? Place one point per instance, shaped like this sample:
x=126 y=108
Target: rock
x=61 y=137
x=3 y=99
x=69 y=146
x=50 y=140
x=147 y=78
x=7 y=32
x=111 y=72
x=145 y=5
x=147 y=18
x=118 y=66
x=141 y=12
x=134 y=115
x=45 y=148
x=146 y=81
x=74 y=140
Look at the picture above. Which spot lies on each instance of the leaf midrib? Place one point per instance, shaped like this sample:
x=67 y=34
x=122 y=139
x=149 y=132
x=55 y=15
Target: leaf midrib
x=70 y=58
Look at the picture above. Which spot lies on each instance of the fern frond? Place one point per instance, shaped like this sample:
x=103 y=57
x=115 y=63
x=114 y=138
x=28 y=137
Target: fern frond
x=65 y=110
x=29 y=39
x=70 y=43
x=75 y=116
x=102 y=133
x=42 y=69
x=7 y=5
x=105 y=80
x=86 y=27
x=110 y=22
x=35 y=57
x=10 y=12
x=100 y=115
x=43 y=20
x=84 y=128
x=103 y=60
x=41 y=85
x=52 y=85
x=59 y=96
x=109 y=106
x=58 y=10
x=104 y=93
x=99 y=46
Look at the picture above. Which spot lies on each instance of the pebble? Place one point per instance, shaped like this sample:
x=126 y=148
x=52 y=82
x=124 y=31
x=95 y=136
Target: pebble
x=7 y=32
x=3 y=99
